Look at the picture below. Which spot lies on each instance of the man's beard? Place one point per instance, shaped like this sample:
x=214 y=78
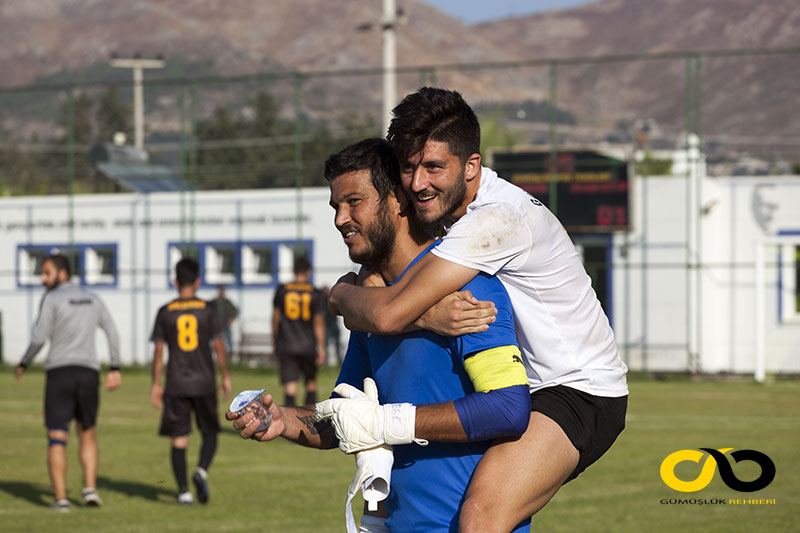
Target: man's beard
x=380 y=237
x=450 y=200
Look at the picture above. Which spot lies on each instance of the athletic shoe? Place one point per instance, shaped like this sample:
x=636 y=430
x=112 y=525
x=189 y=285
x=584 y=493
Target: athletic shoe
x=199 y=478
x=61 y=506
x=90 y=497
x=185 y=498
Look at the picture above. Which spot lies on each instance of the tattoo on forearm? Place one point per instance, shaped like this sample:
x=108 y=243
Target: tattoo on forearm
x=308 y=421
x=324 y=430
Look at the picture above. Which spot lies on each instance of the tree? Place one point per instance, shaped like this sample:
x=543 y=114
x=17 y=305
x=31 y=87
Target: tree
x=112 y=115
x=256 y=148
x=81 y=119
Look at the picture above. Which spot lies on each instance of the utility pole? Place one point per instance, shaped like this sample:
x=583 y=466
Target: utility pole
x=137 y=65
x=388 y=25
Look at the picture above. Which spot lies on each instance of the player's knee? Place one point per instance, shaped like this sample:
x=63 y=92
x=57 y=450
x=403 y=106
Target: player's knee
x=475 y=516
x=57 y=436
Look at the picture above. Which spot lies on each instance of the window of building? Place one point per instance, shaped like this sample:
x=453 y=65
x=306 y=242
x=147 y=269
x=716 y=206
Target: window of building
x=92 y=265
x=100 y=265
x=789 y=282
x=29 y=265
x=257 y=264
x=219 y=266
x=241 y=263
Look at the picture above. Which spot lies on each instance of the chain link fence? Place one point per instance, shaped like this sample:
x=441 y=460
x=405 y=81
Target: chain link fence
x=273 y=130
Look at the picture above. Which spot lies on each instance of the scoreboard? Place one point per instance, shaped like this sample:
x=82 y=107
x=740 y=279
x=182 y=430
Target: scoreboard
x=591 y=192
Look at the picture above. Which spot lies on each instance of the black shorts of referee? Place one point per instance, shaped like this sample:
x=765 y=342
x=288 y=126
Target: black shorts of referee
x=592 y=423
x=71 y=392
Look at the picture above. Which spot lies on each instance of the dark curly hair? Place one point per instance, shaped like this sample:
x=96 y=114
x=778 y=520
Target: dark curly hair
x=373 y=154
x=436 y=114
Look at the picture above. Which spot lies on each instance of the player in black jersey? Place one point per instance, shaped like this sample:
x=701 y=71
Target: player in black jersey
x=298 y=332
x=188 y=325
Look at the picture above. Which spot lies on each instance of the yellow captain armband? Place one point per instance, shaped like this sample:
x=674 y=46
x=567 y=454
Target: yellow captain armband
x=496 y=368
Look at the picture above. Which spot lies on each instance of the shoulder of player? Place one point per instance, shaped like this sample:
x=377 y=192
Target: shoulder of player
x=486 y=287
x=71 y=294
x=498 y=215
x=294 y=286
x=181 y=305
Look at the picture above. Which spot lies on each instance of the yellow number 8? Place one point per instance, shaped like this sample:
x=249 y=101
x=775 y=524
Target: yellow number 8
x=187 y=332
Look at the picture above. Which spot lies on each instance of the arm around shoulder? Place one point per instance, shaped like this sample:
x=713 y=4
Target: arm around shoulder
x=391 y=310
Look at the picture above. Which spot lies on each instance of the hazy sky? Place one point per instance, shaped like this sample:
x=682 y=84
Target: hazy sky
x=472 y=11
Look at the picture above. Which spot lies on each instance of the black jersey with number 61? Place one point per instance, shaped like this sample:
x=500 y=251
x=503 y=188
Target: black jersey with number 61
x=298 y=303
x=187 y=326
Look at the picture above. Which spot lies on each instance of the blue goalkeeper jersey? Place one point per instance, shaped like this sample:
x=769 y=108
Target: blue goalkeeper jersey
x=428 y=483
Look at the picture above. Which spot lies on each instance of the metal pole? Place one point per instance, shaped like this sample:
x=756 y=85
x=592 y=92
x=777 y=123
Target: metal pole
x=693 y=218
x=698 y=110
x=138 y=108
x=137 y=65
x=298 y=153
x=689 y=294
x=182 y=166
x=389 y=25
x=644 y=317
x=193 y=161
x=147 y=237
x=71 y=178
x=759 y=371
x=553 y=191
x=698 y=196
x=134 y=288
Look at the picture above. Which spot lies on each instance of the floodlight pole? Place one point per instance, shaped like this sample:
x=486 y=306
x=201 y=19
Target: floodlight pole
x=137 y=65
x=388 y=25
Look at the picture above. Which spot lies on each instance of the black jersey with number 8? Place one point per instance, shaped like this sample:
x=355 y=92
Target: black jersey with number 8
x=187 y=327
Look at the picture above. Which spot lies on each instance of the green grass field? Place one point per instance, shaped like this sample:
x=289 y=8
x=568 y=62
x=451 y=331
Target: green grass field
x=282 y=487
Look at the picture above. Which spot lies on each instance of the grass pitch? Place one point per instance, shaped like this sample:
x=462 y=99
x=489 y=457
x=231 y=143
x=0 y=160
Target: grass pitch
x=279 y=486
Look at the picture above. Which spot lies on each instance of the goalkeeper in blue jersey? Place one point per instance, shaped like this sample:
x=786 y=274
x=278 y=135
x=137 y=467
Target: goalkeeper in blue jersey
x=439 y=401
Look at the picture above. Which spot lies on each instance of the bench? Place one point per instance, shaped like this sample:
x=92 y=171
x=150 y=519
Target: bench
x=255 y=349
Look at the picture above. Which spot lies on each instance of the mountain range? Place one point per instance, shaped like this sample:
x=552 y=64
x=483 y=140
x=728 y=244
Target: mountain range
x=747 y=95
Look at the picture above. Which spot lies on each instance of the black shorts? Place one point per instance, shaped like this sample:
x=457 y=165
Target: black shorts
x=293 y=365
x=176 y=417
x=592 y=423
x=71 y=392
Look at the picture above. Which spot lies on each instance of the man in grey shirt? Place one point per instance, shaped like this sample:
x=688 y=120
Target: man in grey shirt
x=68 y=316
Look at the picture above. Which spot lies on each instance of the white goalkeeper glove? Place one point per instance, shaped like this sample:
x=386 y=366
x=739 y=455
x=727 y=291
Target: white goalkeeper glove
x=361 y=423
x=373 y=478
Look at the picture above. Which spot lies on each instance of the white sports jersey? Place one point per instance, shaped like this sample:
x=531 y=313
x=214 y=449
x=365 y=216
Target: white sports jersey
x=561 y=327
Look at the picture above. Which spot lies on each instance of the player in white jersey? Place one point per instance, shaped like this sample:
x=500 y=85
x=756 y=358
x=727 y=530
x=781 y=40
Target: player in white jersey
x=577 y=380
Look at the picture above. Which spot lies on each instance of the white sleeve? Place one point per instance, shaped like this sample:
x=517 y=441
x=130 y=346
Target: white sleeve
x=486 y=238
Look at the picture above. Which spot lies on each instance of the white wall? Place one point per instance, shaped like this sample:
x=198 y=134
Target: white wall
x=649 y=279
x=652 y=320
x=141 y=227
